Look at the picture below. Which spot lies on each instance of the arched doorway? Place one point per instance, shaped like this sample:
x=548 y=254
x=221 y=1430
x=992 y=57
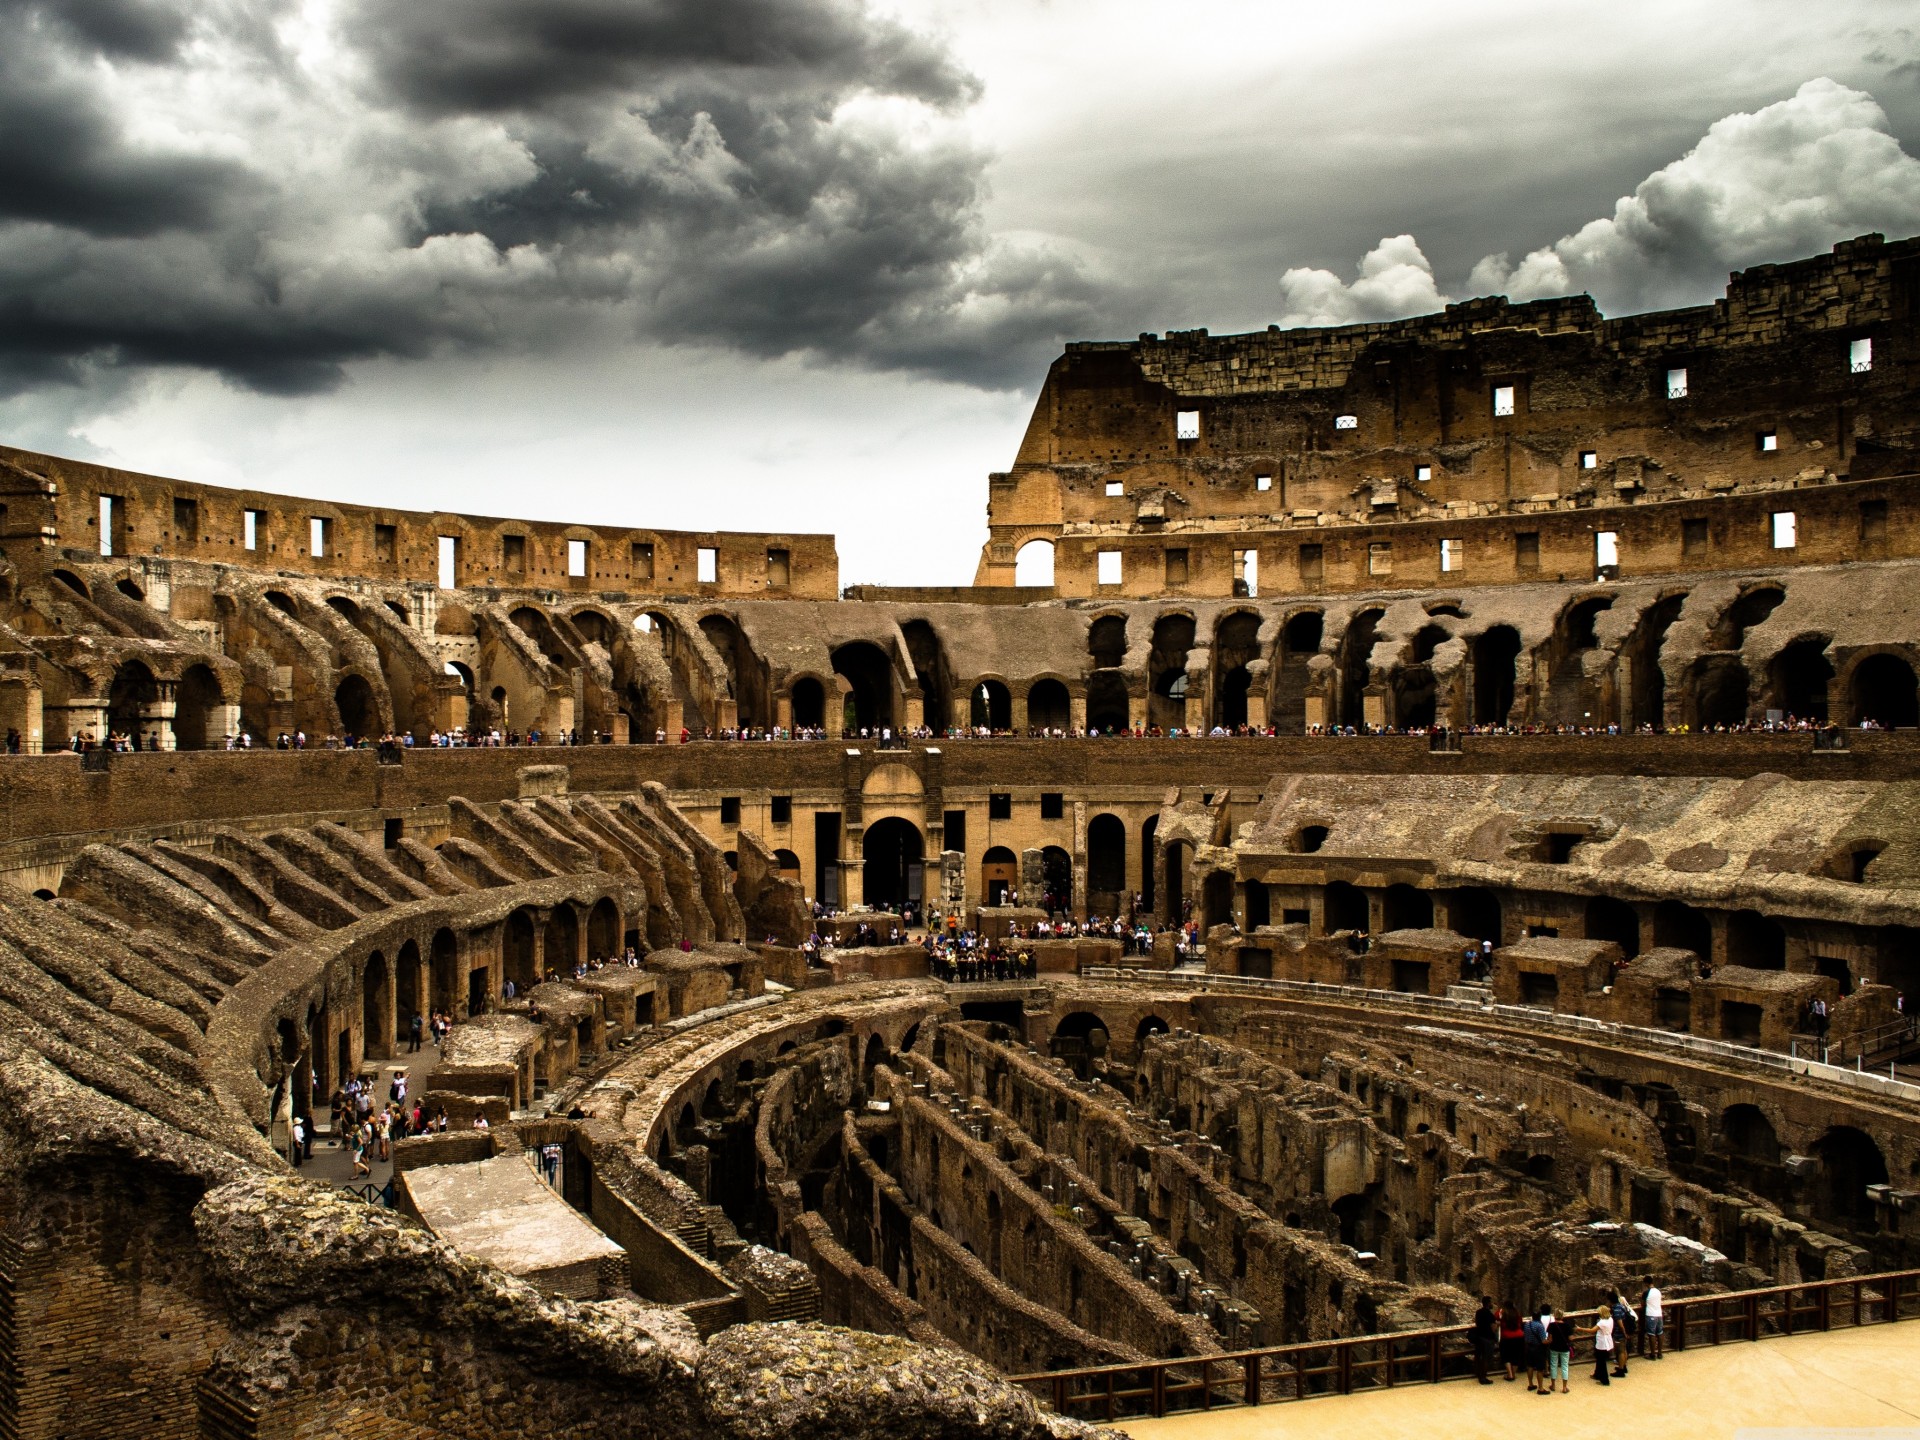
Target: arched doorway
x=516 y=951
x=194 y=701
x=1800 y=675
x=999 y=876
x=1882 y=692
x=407 y=977
x=1850 y=1161
x=869 y=673
x=376 y=1007
x=359 y=711
x=1474 y=911
x=1406 y=907
x=990 y=707
x=1107 y=712
x=1106 y=864
x=1033 y=565
x=563 y=941
x=892 y=851
x=809 y=703
x=1678 y=926
x=1148 y=829
x=1494 y=654
x=603 y=930
x=1756 y=941
x=443 y=960
x=1056 y=880
x=1345 y=907
x=1720 y=691
x=132 y=693
x=1048 y=706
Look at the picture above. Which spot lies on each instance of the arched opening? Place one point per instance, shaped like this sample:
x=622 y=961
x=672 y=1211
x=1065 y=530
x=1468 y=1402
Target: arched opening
x=1406 y=907
x=1167 y=671
x=1107 y=712
x=1615 y=920
x=1048 y=706
x=1747 y=610
x=195 y=700
x=281 y=601
x=1107 y=642
x=809 y=703
x=999 y=876
x=376 y=1007
x=1056 y=880
x=1720 y=691
x=132 y=694
x=892 y=851
x=1850 y=1161
x=1474 y=911
x=603 y=930
x=1748 y=1135
x=1756 y=941
x=1643 y=647
x=1079 y=1038
x=1356 y=667
x=406 y=973
x=1033 y=564
x=1308 y=839
x=1798 y=679
x=1149 y=1026
x=1106 y=864
x=1572 y=698
x=990 y=707
x=1299 y=643
x=1236 y=646
x=72 y=581
x=399 y=612
x=1882 y=693
x=1345 y=907
x=593 y=626
x=516 y=952
x=1494 y=655
x=1678 y=926
x=359 y=711
x=787 y=864
x=563 y=940
x=1179 y=856
x=930 y=672
x=866 y=668
x=443 y=959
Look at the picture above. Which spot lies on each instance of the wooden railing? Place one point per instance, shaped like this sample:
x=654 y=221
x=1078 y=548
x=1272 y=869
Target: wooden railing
x=1409 y=1357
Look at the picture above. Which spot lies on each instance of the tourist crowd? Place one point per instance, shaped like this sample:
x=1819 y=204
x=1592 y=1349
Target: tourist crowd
x=1540 y=1340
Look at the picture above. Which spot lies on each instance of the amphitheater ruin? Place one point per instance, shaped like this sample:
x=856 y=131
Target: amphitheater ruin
x=1445 y=826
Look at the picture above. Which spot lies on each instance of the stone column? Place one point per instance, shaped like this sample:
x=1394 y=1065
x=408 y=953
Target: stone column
x=1017 y=708
x=727 y=716
x=675 y=721
x=1136 y=711
x=783 y=711
x=1077 y=712
x=223 y=724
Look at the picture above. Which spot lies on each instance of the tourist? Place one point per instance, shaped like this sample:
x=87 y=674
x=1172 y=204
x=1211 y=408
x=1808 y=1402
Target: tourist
x=1485 y=1338
x=1653 y=1319
x=1602 y=1333
x=1622 y=1315
x=1513 y=1339
x=414 y=1030
x=1536 y=1349
x=1559 y=1352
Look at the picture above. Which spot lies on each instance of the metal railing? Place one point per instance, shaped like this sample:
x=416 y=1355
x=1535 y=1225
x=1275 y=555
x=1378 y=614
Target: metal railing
x=1527 y=1015
x=1105 y=1393
x=370 y=1193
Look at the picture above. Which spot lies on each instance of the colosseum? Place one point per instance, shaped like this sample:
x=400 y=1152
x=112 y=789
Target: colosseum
x=1446 y=826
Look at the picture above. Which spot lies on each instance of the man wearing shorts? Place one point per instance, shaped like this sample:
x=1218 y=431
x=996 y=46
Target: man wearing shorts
x=1653 y=1321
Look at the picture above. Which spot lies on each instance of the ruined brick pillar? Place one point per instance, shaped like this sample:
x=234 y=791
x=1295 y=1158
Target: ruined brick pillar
x=156 y=718
x=1136 y=711
x=1077 y=712
x=783 y=712
x=675 y=722
x=727 y=716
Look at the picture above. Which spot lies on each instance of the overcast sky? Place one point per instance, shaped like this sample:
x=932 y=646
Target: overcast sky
x=801 y=264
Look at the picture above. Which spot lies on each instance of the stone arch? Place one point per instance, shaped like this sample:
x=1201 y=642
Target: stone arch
x=1356 y=663
x=1033 y=564
x=1678 y=926
x=1799 y=678
x=1108 y=711
x=1746 y=610
x=869 y=675
x=990 y=706
x=1173 y=636
x=999 y=876
x=1345 y=907
x=892 y=853
x=444 y=969
x=408 y=1001
x=1048 y=705
x=1756 y=941
x=1056 y=879
x=1850 y=1161
x=1747 y=1134
x=1291 y=675
x=603 y=930
x=197 y=704
x=1236 y=647
x=808 y=699
x=1647 y=704
x=376 y=1007
x=1107 y=641
x=563 y=940
x=1719 y=689
x=358 y=707
x=1881 y=689
x=931 y=671
x=1406 y=907
x=1496 y=654
x=131 y=695
x=1615 y=920
x=517 y=951
x=1106 y=863
x=1474 y=911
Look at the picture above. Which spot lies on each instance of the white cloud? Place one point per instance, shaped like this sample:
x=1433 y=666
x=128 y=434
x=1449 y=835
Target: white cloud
x=1395 y=280
x=1787 y=180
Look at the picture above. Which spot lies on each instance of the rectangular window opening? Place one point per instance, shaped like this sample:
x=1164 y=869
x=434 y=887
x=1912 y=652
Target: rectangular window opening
x=709 y=571
x=1786 y=530
x=779 y=569
x=1246 y=573
x=1107 y=563
x=1873 y=521
x=1313 y=564
x=1589 y=459
x=1346 y=422
x=1186 y=425
x=250 y=528
x=449 y=561
x=1176 y=567
x=576 y=558
x=1053 y=805
x=1380 y=558
x=1526 y=550
x=1422 y=473
x=513 y=553
x=954 y=831
x=1453 y=556
x=1860 y=356
x=999 y=807
x=1263 y=482
x=1503 y=400
x=1606 y=550
x=385 y=540
x=1677 y=383
x=1116 y=487
x=780 y=809
x=642 y=560
x=730 y=810
x=109 y=514
x=186 y=519
x=1769 y=441
x=316 y=537
x=1693 y=537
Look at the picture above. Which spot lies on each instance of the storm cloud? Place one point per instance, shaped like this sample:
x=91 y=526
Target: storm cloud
x=272 y=194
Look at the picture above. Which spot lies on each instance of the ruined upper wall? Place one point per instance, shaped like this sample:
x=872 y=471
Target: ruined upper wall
x=50 y=505
x=1507 y=430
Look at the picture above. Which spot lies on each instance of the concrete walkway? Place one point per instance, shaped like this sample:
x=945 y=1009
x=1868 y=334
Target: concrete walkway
x=1868 y=1377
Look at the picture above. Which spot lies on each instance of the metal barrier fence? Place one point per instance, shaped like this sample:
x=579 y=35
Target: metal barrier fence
x=1156 y=1388
x=372 y=1194
x=1531 y=1016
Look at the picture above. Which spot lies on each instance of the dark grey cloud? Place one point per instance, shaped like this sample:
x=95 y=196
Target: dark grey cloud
x=182 y=186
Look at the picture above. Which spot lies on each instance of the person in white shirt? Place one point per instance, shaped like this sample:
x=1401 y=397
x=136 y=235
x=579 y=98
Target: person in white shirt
x=1653 y=1320
x=1602 y=1333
